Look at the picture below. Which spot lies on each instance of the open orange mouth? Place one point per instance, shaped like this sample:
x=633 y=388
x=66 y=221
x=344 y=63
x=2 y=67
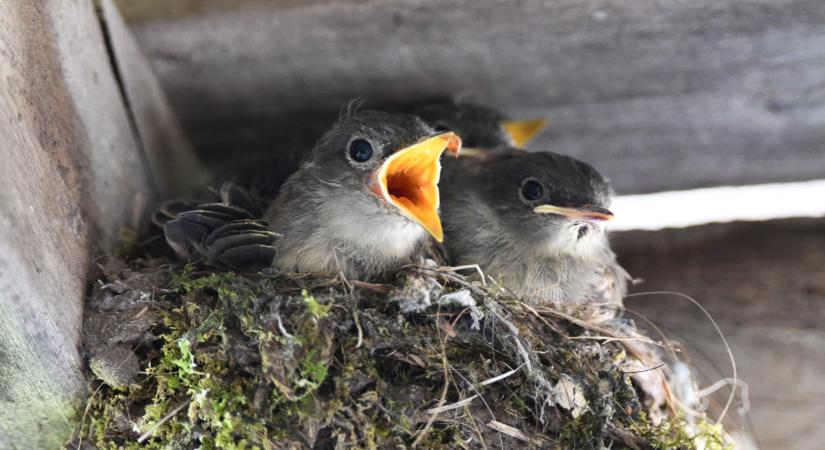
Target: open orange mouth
x=409 y=180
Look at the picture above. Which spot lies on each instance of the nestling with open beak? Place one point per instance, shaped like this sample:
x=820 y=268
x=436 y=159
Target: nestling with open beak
x=365 y=200
x=535 y=223
x=480 y=128
x=363 y=203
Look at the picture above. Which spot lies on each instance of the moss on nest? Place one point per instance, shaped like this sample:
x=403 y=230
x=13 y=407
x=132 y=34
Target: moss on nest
x=266 y=360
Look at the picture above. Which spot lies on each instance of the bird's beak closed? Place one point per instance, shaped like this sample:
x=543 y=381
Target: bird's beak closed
x=409 y=180
x=591 y=214
x=523 y=131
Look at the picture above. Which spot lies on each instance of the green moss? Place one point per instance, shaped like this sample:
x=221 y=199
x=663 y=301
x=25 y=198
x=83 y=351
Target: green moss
x=711 y=437
x=316 y=309
x=675 y=434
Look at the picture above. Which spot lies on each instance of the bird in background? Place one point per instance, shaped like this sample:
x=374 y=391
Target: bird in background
x=364 y=202
x=481 y=128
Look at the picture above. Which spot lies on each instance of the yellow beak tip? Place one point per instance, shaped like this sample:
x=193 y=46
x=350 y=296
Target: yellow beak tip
x=523 y=131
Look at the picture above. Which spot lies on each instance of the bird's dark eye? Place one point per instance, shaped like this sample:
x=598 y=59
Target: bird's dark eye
x=360 y=150
x=532 y=190
x=440 y=127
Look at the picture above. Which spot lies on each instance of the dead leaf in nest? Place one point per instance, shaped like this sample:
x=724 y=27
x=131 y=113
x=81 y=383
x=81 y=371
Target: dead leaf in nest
x=272 y=366
x=570 y=396
x=447 y=328
x=411 y=359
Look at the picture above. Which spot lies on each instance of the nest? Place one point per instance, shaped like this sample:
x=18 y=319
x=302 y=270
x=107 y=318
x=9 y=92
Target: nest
x=184 y=357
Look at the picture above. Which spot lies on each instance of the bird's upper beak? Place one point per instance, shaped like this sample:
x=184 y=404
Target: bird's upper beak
x=409 y=180
x=523 y=131
x=591 y=214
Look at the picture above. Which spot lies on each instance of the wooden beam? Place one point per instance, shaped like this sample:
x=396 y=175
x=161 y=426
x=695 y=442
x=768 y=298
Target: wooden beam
x=658 y=95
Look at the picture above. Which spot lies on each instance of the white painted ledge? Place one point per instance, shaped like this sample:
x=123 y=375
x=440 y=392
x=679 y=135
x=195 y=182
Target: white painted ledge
x=678 y=209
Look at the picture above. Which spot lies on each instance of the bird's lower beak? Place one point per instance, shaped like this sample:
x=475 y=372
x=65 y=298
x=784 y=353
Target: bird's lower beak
x=475 y=152
x=409 y=180
x=592 y=214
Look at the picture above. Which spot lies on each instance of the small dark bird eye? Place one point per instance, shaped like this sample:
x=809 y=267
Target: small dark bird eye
x=441 y=128
x=532 y=190
x=360 y=150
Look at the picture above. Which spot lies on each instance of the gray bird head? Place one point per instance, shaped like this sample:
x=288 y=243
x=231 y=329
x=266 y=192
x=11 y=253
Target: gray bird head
x=390 y=161
x=544 y=201
x=479 y=126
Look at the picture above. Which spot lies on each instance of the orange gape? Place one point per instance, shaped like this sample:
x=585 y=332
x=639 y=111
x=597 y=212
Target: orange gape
x=409 y=180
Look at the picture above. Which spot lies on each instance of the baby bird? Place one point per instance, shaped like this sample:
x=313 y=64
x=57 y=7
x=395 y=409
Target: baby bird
x=365 y=200
x=363 y=203
x=480 y=127
x=535 y=223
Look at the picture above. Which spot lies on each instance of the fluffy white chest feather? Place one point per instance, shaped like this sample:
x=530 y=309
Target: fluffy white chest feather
x=392 y=236
x=357 y=244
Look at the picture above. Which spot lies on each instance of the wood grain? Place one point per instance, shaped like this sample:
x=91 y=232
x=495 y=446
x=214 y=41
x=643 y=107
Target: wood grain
x=175 y=167
x=71 y=177
x=658 y=95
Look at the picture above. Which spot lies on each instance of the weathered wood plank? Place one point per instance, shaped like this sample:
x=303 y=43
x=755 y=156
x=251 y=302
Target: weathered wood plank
x=172 y=160
x=71 y=177
x=659 y=95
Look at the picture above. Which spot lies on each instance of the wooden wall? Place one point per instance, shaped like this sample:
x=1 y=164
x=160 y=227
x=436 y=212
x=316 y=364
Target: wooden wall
x=74 y=173
x=764 y=283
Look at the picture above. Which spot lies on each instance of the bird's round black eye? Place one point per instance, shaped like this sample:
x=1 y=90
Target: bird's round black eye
x=532 y=190
x=360 y=150
x=440 y=127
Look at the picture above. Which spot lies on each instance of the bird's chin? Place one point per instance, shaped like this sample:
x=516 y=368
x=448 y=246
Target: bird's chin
x=578 y=238
x=588 y=237
x=585 y=229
